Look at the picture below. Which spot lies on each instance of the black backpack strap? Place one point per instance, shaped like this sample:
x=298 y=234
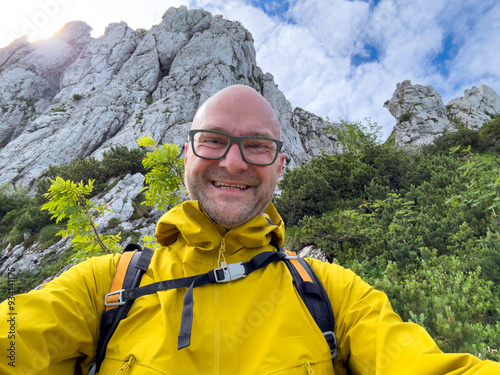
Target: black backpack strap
x=133 y=265
x=314 y=295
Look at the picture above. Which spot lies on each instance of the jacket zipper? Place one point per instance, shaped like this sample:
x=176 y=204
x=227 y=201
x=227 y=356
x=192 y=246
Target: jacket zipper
x=217 y=358
x=126 y=366
x=221 y=261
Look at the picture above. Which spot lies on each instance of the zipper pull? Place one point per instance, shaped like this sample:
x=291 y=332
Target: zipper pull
x=308 y=368
x=221 y=262
x=126 y=366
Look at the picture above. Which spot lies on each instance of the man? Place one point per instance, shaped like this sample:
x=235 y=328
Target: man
x=254 y=325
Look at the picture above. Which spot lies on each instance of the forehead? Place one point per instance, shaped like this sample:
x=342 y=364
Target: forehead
x=239 y=115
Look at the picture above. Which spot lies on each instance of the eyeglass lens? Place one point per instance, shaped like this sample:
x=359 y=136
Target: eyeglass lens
x=210 y=145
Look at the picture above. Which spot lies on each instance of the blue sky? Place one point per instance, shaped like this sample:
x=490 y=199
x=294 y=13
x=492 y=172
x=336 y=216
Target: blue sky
x=335 y=58
x=273 y=8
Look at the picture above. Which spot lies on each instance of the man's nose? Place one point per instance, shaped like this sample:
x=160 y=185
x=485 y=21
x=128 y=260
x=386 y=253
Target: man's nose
x=233 y=161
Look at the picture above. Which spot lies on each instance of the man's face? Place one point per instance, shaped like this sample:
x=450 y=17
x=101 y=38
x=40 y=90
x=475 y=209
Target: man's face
x=231 y=191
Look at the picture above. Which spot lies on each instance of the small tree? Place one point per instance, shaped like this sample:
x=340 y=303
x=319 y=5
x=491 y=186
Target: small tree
x=165 y=180
x=67 y=200
x=353 y=136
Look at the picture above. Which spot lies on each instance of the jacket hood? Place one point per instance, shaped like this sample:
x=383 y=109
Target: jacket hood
x=190 y=221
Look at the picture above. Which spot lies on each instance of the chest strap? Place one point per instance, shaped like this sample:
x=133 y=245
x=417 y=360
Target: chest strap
x=224 y=274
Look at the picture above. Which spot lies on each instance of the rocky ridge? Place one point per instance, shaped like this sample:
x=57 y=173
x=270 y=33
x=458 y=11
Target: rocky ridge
x=421 y=115
x=74 y=96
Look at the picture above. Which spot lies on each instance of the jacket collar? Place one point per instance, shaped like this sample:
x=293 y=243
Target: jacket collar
x=189 y=220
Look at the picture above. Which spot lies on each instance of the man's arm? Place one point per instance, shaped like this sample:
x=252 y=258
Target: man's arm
x=50 y=330
x=372 y=339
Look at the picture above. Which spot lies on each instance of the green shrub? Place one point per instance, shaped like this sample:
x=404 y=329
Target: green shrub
x=406 y=116
x=423 y=227
x=119 y=160
x=491 y=129
x=445 y=212
x=452 y=301
x=12 y=199
x=116 y=162
x=490 y=135
x=485 y=139
x=31 y=220
x=114 y=222
x=48 y=235
x=332 y=182
x=305 y=192
x=353 y=137
x=80 y=169
x=463 y=137
x=19 y=213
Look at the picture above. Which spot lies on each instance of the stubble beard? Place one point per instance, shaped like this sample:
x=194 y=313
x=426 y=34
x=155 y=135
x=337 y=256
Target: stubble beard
x=219 y=212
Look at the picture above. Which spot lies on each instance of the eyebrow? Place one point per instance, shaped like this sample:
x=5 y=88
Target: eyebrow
x=254 y=134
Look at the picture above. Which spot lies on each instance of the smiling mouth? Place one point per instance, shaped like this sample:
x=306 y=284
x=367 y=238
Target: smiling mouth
x=221 y=185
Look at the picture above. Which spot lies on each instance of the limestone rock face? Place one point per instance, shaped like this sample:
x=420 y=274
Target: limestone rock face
x=313 y=252
x=20 y=258
x=475 y=107
x=120 y=199
x=30 y=76
x=420 y=114
x=312 y=132
x=74 y=96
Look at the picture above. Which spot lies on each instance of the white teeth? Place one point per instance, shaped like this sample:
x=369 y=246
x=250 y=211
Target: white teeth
x=233 y=187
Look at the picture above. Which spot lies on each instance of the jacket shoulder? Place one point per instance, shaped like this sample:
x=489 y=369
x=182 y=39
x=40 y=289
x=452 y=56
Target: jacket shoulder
x=89 y=279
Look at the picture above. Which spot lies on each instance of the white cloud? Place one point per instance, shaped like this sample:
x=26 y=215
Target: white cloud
x=39 y=18
x=336 y=24
x=477 y=61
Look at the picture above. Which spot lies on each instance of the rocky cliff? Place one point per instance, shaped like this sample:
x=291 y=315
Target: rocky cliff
x=421 y=115
x=74 y=96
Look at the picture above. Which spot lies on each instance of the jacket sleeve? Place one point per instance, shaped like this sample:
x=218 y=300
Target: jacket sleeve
x=372 y=338
x=50 y=331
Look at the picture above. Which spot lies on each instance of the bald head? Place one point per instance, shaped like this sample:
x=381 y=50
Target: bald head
x=242 y=101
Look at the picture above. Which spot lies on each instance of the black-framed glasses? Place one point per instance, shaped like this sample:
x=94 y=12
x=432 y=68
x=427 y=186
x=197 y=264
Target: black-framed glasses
x=214 y=145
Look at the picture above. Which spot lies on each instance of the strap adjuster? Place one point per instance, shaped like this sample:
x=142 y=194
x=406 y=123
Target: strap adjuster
x=120 y=300
x=332 y=342
x=229 y=272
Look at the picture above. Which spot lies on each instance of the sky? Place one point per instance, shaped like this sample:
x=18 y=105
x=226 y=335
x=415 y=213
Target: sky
x=339 y=59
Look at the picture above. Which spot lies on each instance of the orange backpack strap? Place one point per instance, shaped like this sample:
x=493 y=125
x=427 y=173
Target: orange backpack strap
x=299 y=267
x=133 y=263
x=117 y=284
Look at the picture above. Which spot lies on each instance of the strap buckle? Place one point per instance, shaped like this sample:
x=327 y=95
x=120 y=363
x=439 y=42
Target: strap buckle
x=120 y=300
x=332 y=342
x=229 y=272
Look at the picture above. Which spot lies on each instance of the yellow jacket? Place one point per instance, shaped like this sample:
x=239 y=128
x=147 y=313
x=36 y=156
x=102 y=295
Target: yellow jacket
x=255 y=325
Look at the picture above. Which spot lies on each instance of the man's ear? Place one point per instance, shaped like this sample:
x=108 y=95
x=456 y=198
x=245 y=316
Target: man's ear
x=186 y=148
x=281 y=163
